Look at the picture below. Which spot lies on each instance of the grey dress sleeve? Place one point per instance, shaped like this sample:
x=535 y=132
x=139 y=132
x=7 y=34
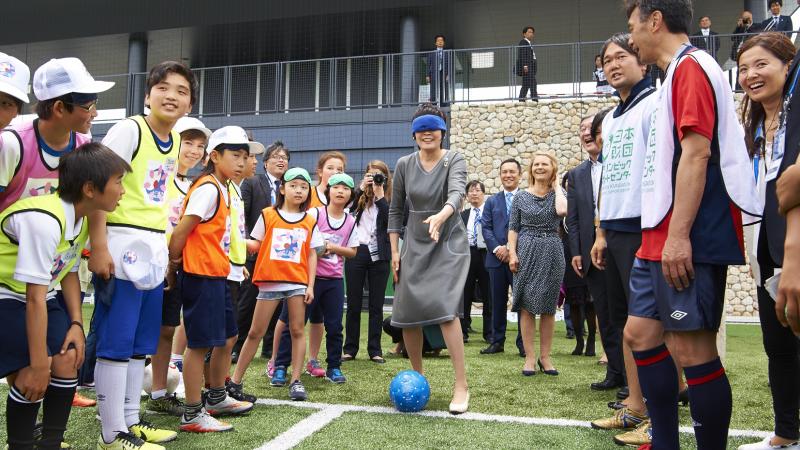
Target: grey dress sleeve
x=515 y=218
x=456 y=182
x=398 y=197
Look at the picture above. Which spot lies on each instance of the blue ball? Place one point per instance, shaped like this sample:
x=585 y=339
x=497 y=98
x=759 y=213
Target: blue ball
x=409 y=391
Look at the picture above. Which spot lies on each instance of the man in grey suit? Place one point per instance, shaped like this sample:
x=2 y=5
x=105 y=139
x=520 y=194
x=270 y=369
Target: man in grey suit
x=582 y=219
x=258 y=192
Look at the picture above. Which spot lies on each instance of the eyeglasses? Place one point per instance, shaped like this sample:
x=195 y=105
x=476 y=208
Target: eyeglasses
x=87 y=108
x=280 y=158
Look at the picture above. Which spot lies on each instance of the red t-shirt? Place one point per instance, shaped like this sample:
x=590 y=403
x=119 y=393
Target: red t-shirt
x=693 y=107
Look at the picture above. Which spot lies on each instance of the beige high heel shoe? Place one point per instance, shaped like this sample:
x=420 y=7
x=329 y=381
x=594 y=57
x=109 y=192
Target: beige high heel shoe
x=459 y=408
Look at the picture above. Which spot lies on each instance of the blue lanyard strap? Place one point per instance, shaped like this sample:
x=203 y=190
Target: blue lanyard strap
x=788 y=97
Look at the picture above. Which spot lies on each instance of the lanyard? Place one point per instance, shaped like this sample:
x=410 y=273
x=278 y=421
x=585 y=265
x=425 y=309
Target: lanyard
x=788 y=97
x=760 y=138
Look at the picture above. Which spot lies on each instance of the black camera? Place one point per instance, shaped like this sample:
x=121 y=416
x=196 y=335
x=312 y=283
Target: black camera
x=378 y=178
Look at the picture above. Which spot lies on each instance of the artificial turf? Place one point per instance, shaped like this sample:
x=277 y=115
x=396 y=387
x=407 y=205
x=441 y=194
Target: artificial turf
x=496 y=387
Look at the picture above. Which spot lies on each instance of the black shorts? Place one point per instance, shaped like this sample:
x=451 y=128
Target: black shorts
x=699 y=307
x=14 y=351
x=171 y=307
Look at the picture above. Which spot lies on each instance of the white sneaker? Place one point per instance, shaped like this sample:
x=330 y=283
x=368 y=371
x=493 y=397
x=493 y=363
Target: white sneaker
x=228 y=406
x=765 y=445
x=204 y=423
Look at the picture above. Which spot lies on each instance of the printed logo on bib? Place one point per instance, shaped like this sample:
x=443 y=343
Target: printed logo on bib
x=226 y=238
x=236 y=204
x=35 y=187
x=174 y=213
x=62 y=260
x=155 y=182
x=617 y=160
x=333 y=239
x=649 y=172
x=285 y=245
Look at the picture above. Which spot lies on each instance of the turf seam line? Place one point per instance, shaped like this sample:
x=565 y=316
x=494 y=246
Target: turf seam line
x=304 y=428
x=481 y=417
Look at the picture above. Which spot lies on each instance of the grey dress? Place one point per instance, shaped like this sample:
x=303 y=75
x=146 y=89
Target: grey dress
x=432 y=275
x=540 y=252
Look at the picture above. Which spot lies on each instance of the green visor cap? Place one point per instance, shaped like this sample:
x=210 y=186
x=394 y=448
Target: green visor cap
x=295 y=173
x=341 y=178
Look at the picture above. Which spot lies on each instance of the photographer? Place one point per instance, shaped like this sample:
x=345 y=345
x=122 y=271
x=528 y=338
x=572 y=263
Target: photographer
x=371 y=262
x=744 y=27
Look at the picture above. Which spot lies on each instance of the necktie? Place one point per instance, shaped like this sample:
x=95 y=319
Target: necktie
x=509 y=198
x=275 y=191
x=477 y=219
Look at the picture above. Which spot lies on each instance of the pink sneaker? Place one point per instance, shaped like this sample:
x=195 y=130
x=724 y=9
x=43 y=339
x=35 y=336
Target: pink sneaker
x=314 y=369
x=270 y=369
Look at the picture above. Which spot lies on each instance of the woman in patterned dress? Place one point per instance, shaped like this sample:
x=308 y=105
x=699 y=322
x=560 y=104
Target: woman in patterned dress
x=536 y=258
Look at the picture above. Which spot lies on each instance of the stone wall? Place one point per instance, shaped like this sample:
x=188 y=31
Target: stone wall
x=480 y=132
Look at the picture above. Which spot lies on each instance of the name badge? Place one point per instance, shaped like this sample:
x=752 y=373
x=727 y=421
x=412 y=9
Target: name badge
x=778 y=146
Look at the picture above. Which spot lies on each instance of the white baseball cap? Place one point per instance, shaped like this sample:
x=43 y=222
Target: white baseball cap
x=190 y=123
x=62 y=76
x=14 y=77
x=234 y=135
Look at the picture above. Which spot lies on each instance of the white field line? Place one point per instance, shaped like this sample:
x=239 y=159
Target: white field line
x=304 y=428
x=544 y=421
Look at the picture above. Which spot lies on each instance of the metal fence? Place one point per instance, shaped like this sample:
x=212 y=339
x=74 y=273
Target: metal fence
x=383 y=81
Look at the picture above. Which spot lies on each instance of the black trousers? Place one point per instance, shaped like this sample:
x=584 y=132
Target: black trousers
x=477 y=277
x=440 y=89
x=358 y=270
x=782 y=348
x=610 y=335
x=529 y=84
x=245 y=308
x=620 y=254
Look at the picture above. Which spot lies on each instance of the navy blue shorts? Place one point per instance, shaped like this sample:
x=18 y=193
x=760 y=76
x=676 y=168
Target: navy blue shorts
x=171 y=309
x=129 y=323
x=699 y=307
x=14 y=351
x=313 y=313
x=207 y=311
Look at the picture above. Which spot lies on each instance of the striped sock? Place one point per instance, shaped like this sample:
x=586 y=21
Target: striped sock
x=20 y=419
x=658 y=378
x=57 y=406
x=710 y=403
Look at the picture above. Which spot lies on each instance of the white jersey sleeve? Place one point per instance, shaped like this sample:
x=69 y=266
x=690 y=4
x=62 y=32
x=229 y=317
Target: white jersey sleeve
x=203 y=202
x=123 y=139
x=38 y=235
x=9 y=158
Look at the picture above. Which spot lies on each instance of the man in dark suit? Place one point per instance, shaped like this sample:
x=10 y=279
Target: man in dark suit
x=258 y=192
x=439 y=67
x=583 y=187
x=495 y=232
x=706 y=39
x=744 y=26
x=526 y=64
x=477 y=275
x=777 y=22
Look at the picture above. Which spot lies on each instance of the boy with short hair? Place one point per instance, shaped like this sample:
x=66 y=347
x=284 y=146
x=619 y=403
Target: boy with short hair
x=14 y=79
x=30 y=152
x=40 y=245
x=129 y=258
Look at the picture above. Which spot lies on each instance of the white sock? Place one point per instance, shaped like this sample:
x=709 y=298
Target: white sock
x=175 y=357
x=155 y=395
x=109 y=378
x=133 y=391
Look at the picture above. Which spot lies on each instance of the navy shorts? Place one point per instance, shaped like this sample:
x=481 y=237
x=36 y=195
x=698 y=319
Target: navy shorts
x=699 y=307
x=171 y=309
x=208 y=316
x=14 y=351
x=129 y=323
x=313 y=313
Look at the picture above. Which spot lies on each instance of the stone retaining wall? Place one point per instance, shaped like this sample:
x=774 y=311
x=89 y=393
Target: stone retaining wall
x=480 y=132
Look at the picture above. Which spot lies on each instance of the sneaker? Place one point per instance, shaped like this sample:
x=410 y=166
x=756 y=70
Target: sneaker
x=314 y=369
x=640 y=435
x=204 y=423
x=228 y=406
x=168 y=404
x=297 y=391
x=765 y=445
x=270 y=369
x=236 y=391
x=279 y=376
x=146 y=431
x=127 y=441
x=623 y=419
x=335 y=376
x=82 y=402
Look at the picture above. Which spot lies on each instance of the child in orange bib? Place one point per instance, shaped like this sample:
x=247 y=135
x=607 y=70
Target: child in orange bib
x=287 y=240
